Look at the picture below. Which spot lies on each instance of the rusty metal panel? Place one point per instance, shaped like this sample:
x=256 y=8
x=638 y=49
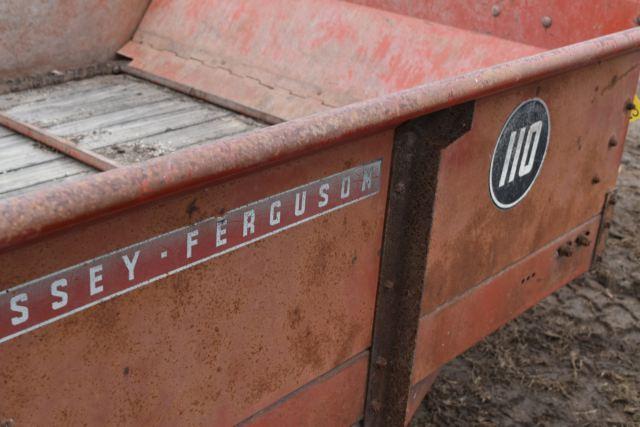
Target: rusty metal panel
x=41 y=36
x=32 y=215
x=605 y=225
x=409 y=217
x=290 y=58
x=215 y=341
x=418 y=393
x=579 y=168
x=456 y=326
x=336 y=399
x=544 y=23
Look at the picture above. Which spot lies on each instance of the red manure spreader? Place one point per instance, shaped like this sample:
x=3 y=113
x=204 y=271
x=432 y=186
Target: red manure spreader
x=290 y=212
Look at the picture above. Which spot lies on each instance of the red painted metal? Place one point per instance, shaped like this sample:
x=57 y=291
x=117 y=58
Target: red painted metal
x=41 y=36
x=564 y=194
x=79 y=287
x=280 y=330
x=417 y=394
x=290 y=58
x=522 y=20
x=60 y=144
x=34 y=214
x=605 y=225
x=463 y=321
x=336 y=398
x=214 y=343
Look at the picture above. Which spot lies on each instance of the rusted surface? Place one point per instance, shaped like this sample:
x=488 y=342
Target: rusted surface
x=291 y=58
x=414 y=178
x=334 y=399
x=417 y=394
x=605 y=225
x=217 y=342
x=544 y=23
x=41 y=212
x=467 y=222
x=39 y=36
x=79 y=287
x=60 y=144
x=457 y=325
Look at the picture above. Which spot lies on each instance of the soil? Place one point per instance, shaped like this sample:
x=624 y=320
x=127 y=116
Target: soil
x=574 y=359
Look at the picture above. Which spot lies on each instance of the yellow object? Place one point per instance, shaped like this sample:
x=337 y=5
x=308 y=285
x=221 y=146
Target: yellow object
x=635 y=113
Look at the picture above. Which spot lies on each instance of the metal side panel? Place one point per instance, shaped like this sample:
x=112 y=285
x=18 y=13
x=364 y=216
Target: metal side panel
x=334 y=399
x=545 y=23
x=41 y=36
x=290 y=58
x=465 y=320
x=475 y=190
x=193 y=325
x=473 y=237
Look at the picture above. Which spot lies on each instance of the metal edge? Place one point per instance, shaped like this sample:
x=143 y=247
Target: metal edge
x=410 y=206
x=27 y=216
x=606 y=217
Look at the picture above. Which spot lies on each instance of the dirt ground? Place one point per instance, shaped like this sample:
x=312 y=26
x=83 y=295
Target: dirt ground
x=574 y=359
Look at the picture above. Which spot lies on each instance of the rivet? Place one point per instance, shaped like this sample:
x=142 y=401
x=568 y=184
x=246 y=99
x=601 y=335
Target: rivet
x=565 y=250
x=613 y=142
x=495 y=10
x=595 y=180
x=583 y=240
x=546 y=21
x=381 y=362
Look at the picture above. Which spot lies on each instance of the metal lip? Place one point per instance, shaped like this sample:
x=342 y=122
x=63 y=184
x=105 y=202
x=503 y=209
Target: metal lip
x=34 y=214
x=494 y=199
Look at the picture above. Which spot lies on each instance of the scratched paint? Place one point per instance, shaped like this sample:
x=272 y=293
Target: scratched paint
x=39 y=302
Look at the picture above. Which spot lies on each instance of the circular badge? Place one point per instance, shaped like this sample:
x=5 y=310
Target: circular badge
x=519 y=153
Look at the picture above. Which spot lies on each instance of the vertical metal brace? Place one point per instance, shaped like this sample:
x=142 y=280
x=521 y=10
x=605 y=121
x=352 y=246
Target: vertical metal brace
x=410 y=207
x=605 y=225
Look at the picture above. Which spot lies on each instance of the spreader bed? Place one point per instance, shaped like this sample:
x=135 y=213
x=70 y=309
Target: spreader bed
x=291 y=212
x=118 y=116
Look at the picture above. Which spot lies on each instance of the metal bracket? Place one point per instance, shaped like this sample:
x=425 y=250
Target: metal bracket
x=605 y=225
x=410 y=207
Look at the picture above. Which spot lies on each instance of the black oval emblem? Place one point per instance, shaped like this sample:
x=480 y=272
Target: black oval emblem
x=519 y=153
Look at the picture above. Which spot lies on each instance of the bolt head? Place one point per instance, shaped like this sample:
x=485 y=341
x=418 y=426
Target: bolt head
x=546 y=21
x=613 y=142
x=495 y=10
x=565 y=250
x=381 y=362
x=583 y=240
x=595 y=180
